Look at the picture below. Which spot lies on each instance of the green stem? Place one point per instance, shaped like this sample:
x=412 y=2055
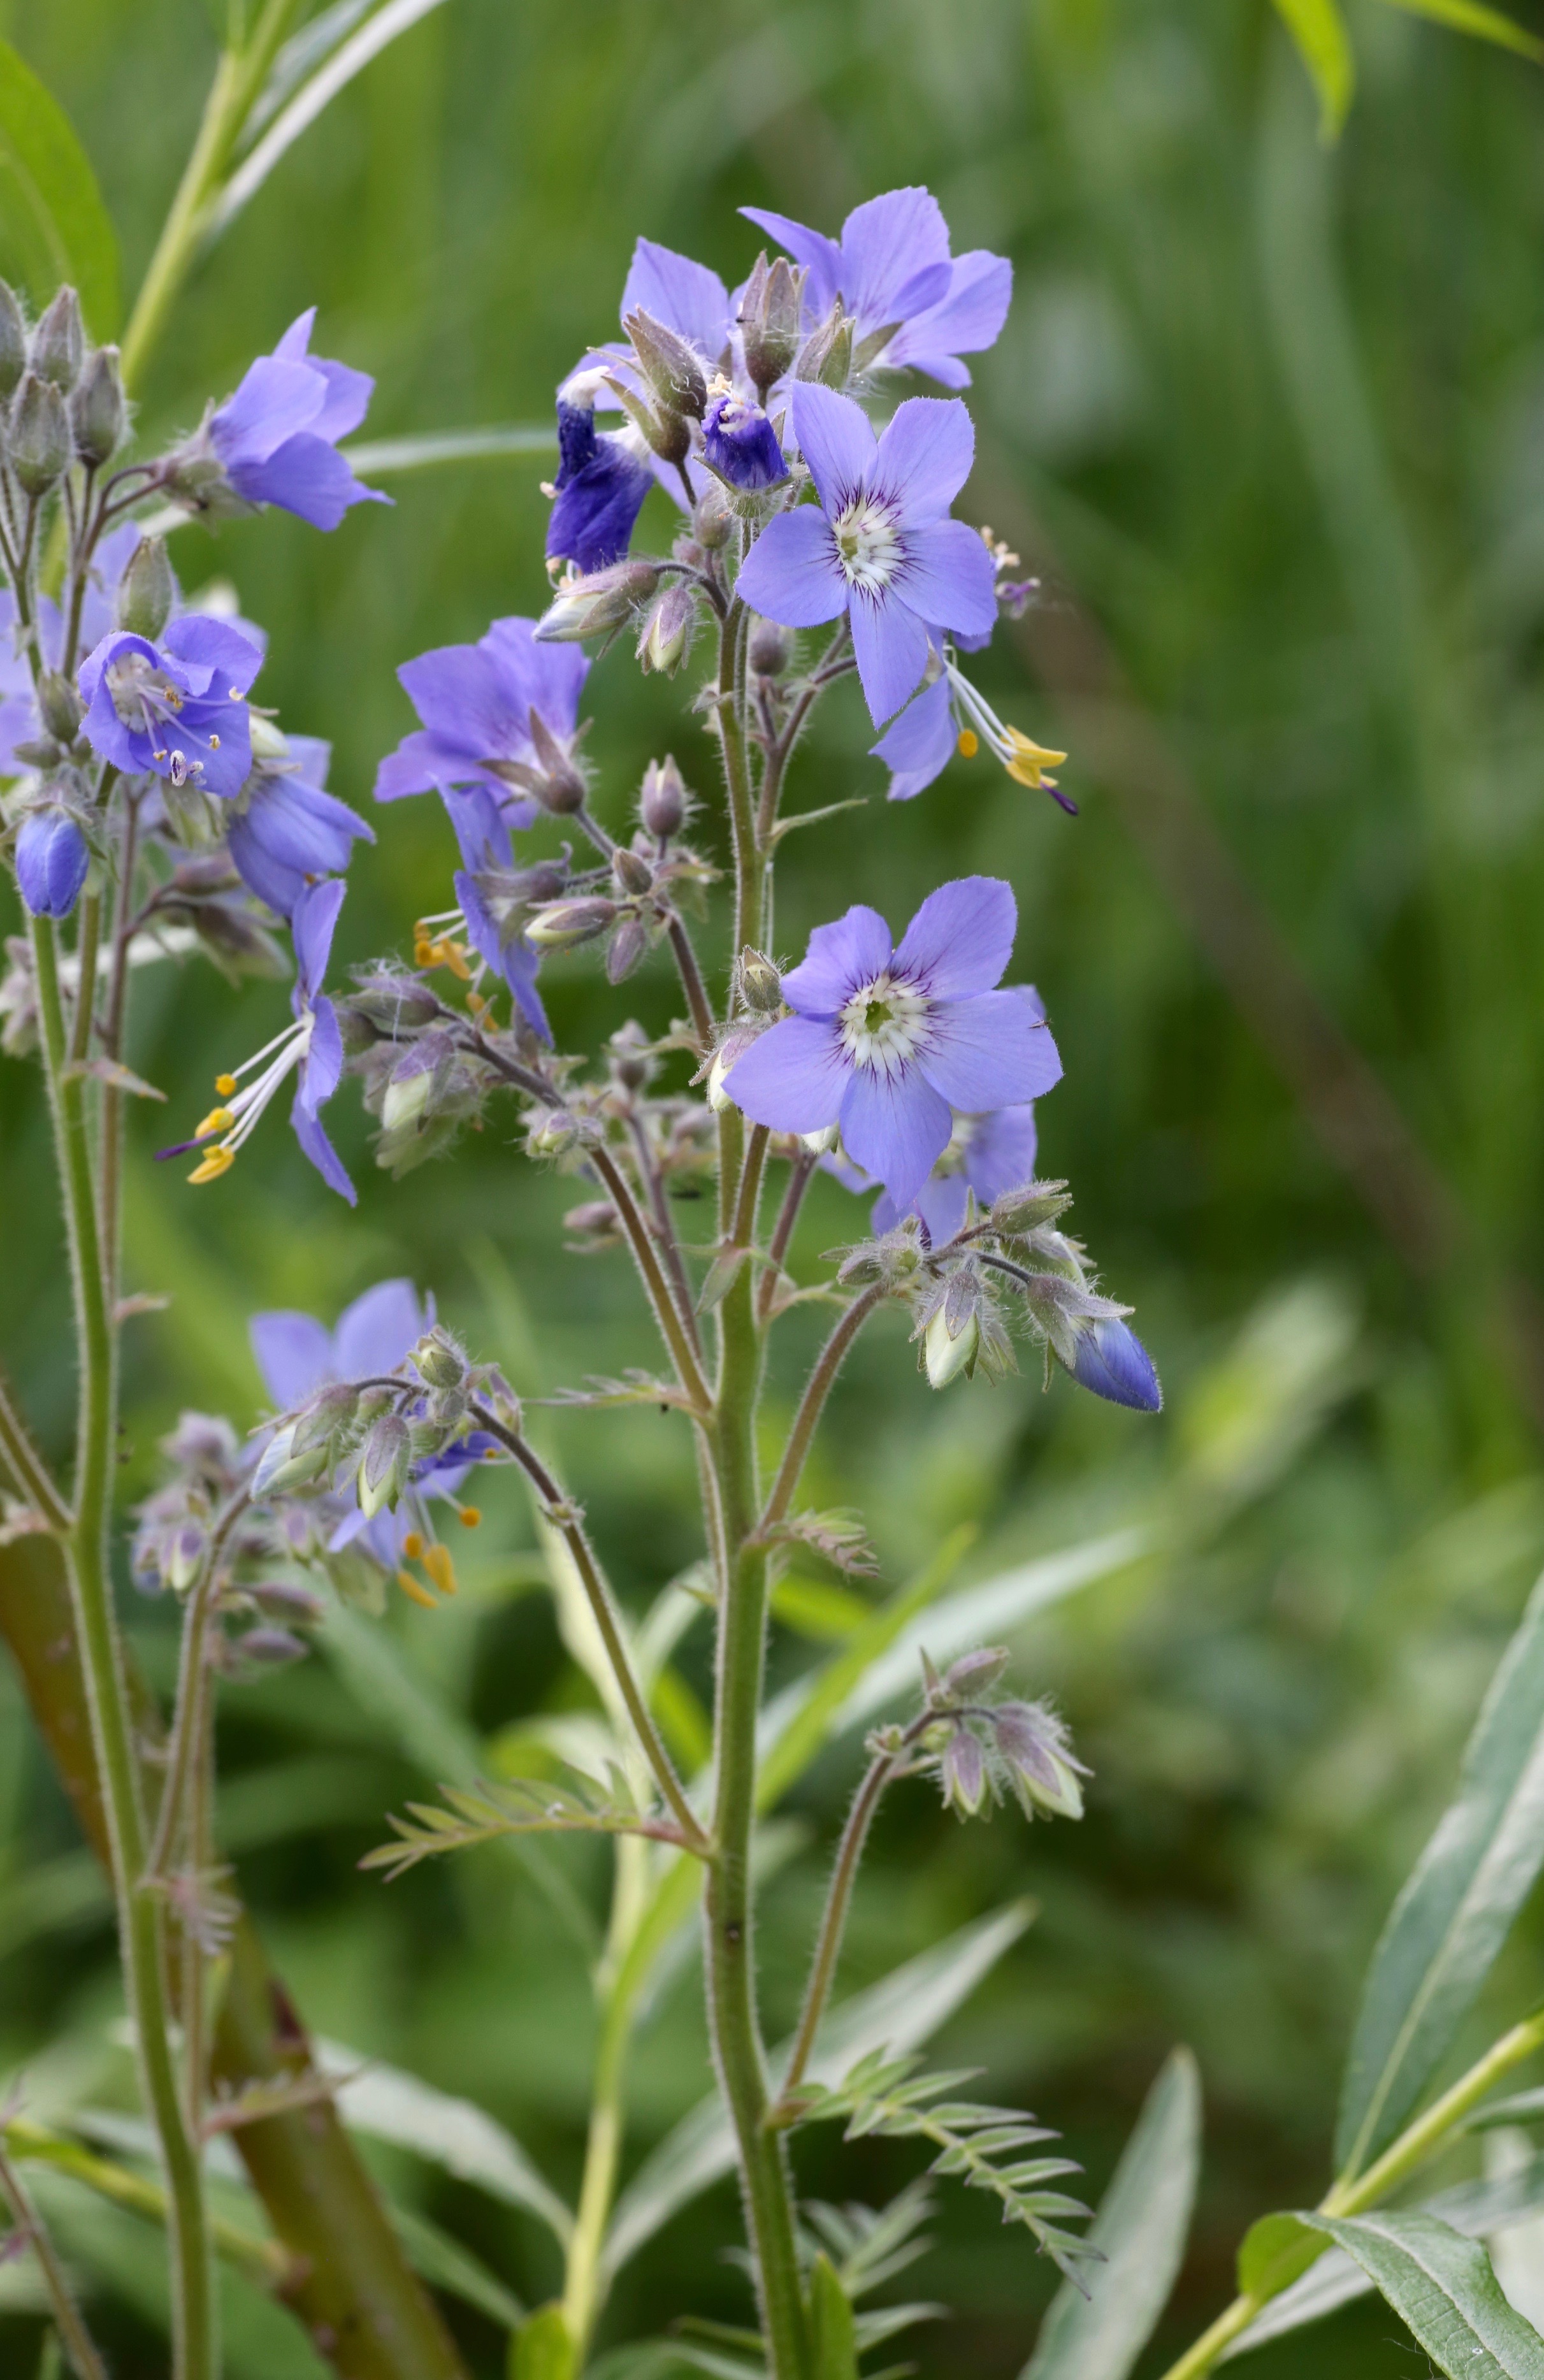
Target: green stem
x=262 y=2260
x=822 y=1972
x=139 y=1914
x=192 y=1667
x=692 y=984
x=27 y=1466
x=750 y=1187
x=749 y=860
x=617 y=1984
x=1418 y=2142
x=782 y=1231
x=80 y=2345
x=676 y=1335
x=85 y=989
x=828 y=1362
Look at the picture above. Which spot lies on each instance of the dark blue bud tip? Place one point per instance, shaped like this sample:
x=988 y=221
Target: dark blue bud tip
x=1113 y=1361
x=740 y=442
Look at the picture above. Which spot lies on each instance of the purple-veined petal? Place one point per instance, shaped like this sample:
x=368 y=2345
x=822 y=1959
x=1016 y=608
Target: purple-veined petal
x=321 y=1068
x=294 y=1354
x=315 y=1144
x=895 y=1126
x=375 y=1332
x=924 y=458
x=920 y=743
x=686 y=296
x=1001 y=1152
x=851 y=952
x=961 y=938
x=985 y=1052
x=312 y=929
x=886 y=242
x=948 y=578
x=890 y=644
x=793 y=1077
x=820 y=257
x=791 y=574
x=836 y=439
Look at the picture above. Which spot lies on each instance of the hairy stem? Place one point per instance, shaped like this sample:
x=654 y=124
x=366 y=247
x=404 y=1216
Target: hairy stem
x=750 y=1187
x=193 y=1664
x=692 y=984
x=618 y=1991
x=85 y=989
x=659 y=1206
x=828 y=1362
x=834 y=1920
x=79 y=2345
x=799 y=1178
x=27 y=1467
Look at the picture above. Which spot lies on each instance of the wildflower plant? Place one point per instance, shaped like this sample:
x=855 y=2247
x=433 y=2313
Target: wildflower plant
x=154 y=808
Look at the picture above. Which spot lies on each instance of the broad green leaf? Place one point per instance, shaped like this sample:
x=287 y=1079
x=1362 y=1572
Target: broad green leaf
x=1442 y=2287
x=1097 y=2332
x=1455 y=1911
x=54 y=224
x=833 y=2339
x=379 y=458
x=464 y=2139
x=1274 y=2252
x=1479 y=2210
x=900 y=2013
x=445 y=2264
x=338 y=70
x=1318 y=29
x=881 y=1663
x=1486 y=24
x=543 y=2349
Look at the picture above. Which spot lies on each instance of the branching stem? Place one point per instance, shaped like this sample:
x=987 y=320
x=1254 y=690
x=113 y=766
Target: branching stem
x=828 y=1362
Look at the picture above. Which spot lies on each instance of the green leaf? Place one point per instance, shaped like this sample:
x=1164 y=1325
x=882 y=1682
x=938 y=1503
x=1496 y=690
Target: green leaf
x=900 y=2013
x=832 y=2339
x=379 y=459
x=1096 y=2332
x=453 y=2133
x=543 y=2349
x=1442 y=2287
x=338 y=70
x=55 y=226
x=445 y=2264
x=1274 y=2252
x=1455 y=1911
x=1485 y=24
x=1318 y=29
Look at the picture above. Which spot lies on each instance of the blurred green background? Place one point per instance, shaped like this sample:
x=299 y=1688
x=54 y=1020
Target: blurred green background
x=1273 y=417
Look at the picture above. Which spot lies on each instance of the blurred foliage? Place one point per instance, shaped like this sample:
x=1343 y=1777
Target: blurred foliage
x=1279 y=416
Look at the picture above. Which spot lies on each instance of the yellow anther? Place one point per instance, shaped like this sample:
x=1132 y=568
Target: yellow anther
x=421 y=931
x=219 y=1161
x=476 y=1002
x=454 y=955
x=224 y=1085
x=1030 y=760
x=441 y=1569
x=424 y=954
x=214 y=743
x=471 y=1517
x=412 y=1544
x=217 y=1119
x=969 y=744
x=415 y=1593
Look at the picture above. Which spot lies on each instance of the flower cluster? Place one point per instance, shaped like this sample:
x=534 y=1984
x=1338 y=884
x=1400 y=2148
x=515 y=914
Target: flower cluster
x=977 y=1747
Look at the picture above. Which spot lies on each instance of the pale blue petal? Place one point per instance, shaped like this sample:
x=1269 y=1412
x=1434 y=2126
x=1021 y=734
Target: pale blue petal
x=836 y=439
x=961 y=939
x=840 y=957
x=984 y=1052
x=895 y=1126
x=791 y=574
x=890 y=644
x=793 y=1077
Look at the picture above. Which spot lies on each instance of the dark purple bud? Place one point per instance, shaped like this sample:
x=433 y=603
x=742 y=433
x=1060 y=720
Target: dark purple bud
x=771 y=649
x=963 y=1773
x=50 y=862
x=663 y=799
x=1113 y=1361
x=627 y=949
x=1034 y=1744
x=740 y=442
x=632 y=874
x=269 y=1648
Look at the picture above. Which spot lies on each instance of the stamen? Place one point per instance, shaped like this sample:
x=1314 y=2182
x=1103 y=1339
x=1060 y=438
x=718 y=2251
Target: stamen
x=441 y=1569
x=412 y=1544
x=217 y=1119
x=414 y=1592
x=220 y=1160
x=469 y=1517
x=969 y=744
x=224 y=1085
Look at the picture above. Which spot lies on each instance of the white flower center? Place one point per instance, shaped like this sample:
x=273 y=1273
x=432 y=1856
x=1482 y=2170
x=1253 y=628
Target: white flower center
x=140 y=692
x=884 y=1024
x=868 y=543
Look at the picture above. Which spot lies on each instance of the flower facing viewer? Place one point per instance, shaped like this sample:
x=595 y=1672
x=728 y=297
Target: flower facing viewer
x=882 y=547
x=887 y=1043
x=176 y=708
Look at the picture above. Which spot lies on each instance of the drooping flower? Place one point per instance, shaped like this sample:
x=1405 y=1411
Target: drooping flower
x=488 y=893
x=950 y=715
x=893 y=271
x=492 y=714
x=880 y=548
x=887 y=1043
x=275 y=441
x=602 y=480
x=176 y=709
x=987 y=1154
x=51 y=862
x=19 y=720
x=286 y=830
x=739 y=441
x=310 y=1050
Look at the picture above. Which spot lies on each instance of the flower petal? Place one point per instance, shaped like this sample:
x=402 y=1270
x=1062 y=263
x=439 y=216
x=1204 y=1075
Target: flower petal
x=313 y=1140
x=375 y=1332
x=890 y=644
x=836 y=439
x=920 y=743
x=790 y=572
x=822 y=258
x=278 y=397
x=1113 y=1361
x=986 y=1052
x=311 y=928
x=686 y=296
x=948 y=578
x=840 y=957
x=925 y=457
x=1001 y=1152
x=229 y=660
x=961 y=939
x=886 y=243
x=967 y=319
x=895 y=1126
x=321 y=1068
x=792 y=1078
x=294 y=1354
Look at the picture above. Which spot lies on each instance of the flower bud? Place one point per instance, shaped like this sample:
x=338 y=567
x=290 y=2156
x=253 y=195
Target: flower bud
x=397 y=1003
x=627 y=949
x=287 y=1601
x=554 y=781
x=60 y=705
x=668 y=364
x=59 y=342
x=280 y=1467
x=760 y=985
x=593 y=1226
x=39 y=435
x=975 y=1673
x=51 y=862
x=947 y=1355
x=633 y=876
x=771 y=649
x=551 y=1133
x=733 y=1046
x=13 y=341
x=740 y=442
x=665 y=639
x=146 y=589
x=1032 y=1205
x=385 y=1465
x=663 y=799
x=97 y=409
x=408 y=1094
x=770 y=320
x=269 y=1649
x=1034 y=1744
x=567 y=923
x=827 y=354
x=712 y=521
x=438 y=1363
x=1113 y=1361
x=586 y=607
x=328 y=1417
x=963 y=1774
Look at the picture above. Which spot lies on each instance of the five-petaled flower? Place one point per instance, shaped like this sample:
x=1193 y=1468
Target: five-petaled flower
x=176 y=709
x=880 y=548
x=276 y=439
x=893 y=271
x=888 y=1042
x=492 y=714
x=310 y=1050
